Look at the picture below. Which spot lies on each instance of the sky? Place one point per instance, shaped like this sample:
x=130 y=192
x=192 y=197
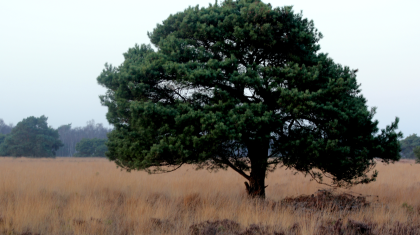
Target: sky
x=51 y=52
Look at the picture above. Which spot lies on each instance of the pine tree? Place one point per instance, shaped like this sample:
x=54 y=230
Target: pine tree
x=242 y=85
x=31 y=138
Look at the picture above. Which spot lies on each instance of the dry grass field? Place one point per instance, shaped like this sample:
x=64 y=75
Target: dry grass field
x=92 y=196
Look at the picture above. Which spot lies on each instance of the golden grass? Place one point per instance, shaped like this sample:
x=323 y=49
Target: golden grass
x=92 y=196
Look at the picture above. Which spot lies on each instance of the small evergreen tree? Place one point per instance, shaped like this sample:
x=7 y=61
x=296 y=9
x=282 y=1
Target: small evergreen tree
x=242 y=85
x=31 y=138
x=91 y=148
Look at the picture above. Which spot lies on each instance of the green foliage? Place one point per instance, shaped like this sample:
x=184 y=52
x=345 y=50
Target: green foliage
x=91 y=148
x=408 y=144
x=31 y=138
x=2 y=137
x=408 y=207
x=416 y=152
x=241 y=84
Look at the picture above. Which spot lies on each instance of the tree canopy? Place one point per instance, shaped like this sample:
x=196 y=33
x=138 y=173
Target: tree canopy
x=31 y=138
x=241 y=84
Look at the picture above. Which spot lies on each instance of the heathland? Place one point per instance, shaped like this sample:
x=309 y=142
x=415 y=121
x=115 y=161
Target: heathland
x=92 y=196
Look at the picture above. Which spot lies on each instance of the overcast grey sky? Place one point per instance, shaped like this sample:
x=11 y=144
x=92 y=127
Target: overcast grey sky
x=51 y=52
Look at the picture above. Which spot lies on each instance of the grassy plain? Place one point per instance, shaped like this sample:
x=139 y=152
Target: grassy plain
x=92 y=196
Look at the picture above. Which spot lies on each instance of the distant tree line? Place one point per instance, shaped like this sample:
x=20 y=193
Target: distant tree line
x=4 y=128
x=72 y=136
x=91 y=148
x=410 y=147
x=32 y=137
x=408 y=144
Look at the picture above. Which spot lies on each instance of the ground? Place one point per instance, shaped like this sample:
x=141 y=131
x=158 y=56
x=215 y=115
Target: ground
x=92 y=196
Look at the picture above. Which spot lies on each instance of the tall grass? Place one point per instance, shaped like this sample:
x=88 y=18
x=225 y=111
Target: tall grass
x=92 y=196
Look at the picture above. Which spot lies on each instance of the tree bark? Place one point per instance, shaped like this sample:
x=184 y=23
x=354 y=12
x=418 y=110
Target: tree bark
x=256 y=186
x=258 y=155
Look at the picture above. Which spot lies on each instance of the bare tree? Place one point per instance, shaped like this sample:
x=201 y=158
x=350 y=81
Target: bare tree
x=4 y=128
x=71 y=136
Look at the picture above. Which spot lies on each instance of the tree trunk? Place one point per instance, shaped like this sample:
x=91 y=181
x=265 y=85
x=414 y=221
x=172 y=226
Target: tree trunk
x=258 y=154
x=256 y=188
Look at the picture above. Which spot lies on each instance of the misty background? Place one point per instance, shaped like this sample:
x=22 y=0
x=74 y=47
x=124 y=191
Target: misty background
x=52 y=51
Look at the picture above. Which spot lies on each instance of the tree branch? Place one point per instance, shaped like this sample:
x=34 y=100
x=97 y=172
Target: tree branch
x=176 y=168
x=227 y=162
